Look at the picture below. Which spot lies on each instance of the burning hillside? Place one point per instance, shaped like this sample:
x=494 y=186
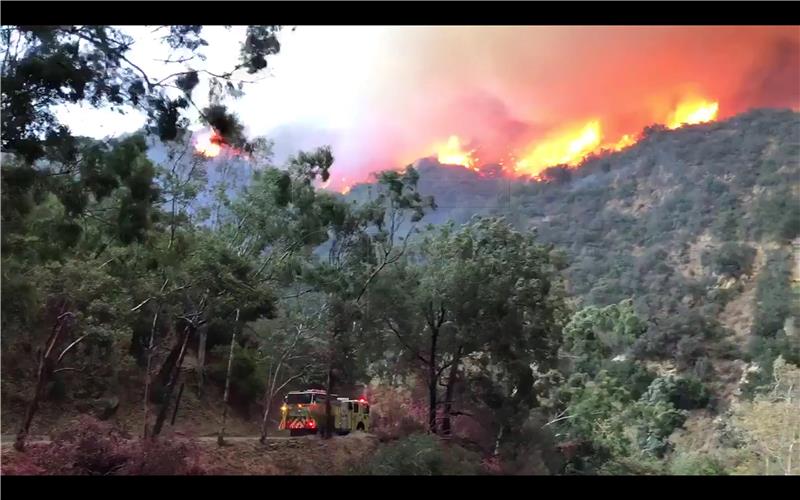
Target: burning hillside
x=571 y=145
x=528 y=98
x=524 y=99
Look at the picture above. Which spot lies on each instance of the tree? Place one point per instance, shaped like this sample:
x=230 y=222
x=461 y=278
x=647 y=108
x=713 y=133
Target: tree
x=594 y=334
x=44 y=66
x=101 y=198
x=366 y=241
x=286 y=347
x=481 y=301
x=48 y=366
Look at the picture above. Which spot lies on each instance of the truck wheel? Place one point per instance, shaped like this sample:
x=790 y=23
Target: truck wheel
x=360 y=427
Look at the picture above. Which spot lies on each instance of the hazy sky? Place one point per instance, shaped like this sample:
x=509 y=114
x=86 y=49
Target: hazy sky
x=384 y=96
x=316 y=78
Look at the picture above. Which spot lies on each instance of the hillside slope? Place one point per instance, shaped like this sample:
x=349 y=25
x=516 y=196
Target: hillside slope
x=695 y=225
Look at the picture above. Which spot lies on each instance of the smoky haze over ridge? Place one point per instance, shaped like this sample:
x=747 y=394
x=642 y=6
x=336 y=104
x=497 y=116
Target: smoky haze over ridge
x=502 y=88
x=383 y=97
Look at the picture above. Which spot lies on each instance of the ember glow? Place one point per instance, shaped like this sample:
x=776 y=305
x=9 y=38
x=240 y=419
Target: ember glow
x=452 y=153
x=692 y=113
x=625 y=141
x=567 y=147
x=208 y=143
x=570 y=146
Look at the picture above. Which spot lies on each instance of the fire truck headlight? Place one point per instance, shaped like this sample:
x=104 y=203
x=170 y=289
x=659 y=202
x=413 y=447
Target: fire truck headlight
x=284 y=408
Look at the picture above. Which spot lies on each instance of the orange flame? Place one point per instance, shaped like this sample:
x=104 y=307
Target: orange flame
x=572 y=145
x=453 y=153
x=692 y=112
x=625 y=141
x=567 y=147
x=345 y=187
x=208 y=143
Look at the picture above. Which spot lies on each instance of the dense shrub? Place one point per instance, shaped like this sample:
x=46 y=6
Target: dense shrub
x=763 y=351
x=247 y=378
x=631 y=375
x=397 y=413
x=696 y=464
x=631 y=466
x=731 y=259
x=684 y=393
x=774 y=297
x=422 y=455
x=94 y=448
x=777 y=215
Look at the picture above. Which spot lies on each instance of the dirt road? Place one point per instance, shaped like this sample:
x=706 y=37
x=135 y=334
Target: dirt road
x=9 y=440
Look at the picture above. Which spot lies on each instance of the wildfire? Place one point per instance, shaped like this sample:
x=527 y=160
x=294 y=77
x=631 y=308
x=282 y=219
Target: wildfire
x=453 y=153
x=568 y=147
x=572 y=145
x=693 y=112
x=208 y=143
x=345 y=187
x=626 y=141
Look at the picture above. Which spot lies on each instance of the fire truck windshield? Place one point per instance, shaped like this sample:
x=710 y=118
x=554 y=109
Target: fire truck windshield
x=298 y=399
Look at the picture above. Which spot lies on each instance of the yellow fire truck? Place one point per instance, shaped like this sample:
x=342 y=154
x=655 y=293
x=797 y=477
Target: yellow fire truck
x=303 y=412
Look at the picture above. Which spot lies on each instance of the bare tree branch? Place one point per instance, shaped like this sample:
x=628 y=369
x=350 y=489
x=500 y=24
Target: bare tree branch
x=406 y=345
x=73 y=344
x=68 y=370
x=141 y=304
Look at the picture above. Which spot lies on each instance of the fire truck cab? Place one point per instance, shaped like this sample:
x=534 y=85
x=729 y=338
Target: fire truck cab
x=303 y=412
x=358 y=410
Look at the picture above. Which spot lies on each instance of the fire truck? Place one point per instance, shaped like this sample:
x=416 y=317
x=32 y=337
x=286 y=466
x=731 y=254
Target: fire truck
x=303 y=412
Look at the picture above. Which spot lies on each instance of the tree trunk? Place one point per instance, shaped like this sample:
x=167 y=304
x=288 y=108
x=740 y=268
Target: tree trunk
x=221 y=437
x=176 y=371
x=46 y=367
x=433 y=380
x=448 y=397
x=167 y=368
x=498 y=440
x=265 y=421
x=328 y=417
x=38 y=393
x=148 y=376
x=177 y=405
x=201 y=358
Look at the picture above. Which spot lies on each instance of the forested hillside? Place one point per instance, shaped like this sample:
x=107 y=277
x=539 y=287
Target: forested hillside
x=695 y=226
x=634 y=315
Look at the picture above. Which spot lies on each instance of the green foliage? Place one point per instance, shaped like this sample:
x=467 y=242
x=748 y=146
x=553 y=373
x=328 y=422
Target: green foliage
x=731 y=259
x=777 y=214
x=422 y=455
x=90 y=64
x=598 y=413
x=631 y=466
x=684 y=393
x=763 y=351
x=635 y=377
x=774 y=297
x=247 y=377
x=696 y=464
x=595 y=334
x=679 y=329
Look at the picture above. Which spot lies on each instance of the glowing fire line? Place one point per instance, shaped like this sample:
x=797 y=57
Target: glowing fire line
x=572 y=145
